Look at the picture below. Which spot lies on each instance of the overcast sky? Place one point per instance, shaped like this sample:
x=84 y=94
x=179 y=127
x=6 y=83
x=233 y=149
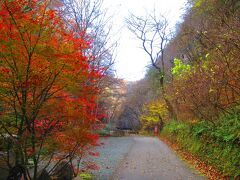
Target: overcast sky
x=131 y=60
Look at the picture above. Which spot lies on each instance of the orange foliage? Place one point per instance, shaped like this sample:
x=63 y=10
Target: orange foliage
x=48 y=88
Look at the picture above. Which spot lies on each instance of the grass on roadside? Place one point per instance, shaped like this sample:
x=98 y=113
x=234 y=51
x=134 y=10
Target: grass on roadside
x=216 y=145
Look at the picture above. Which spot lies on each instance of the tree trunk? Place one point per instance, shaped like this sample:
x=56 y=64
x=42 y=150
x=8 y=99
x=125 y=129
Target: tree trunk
x=170 y=108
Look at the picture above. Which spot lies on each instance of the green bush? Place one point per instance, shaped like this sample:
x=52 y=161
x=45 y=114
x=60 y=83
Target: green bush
x=217 y=144
x=86 y=176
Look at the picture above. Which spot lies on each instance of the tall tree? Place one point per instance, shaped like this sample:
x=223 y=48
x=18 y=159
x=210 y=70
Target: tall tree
x=91 y=18
x=154 y=33
x=48 y=87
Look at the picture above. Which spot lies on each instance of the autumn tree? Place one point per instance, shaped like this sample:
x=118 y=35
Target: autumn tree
x=91 y=17
x=208 y=42
x=154 y=33
x=48 y=87
x=137 y=94
x=154 y=114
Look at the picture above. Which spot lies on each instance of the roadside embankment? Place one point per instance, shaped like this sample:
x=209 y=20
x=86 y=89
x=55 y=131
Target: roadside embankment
x=214 y=150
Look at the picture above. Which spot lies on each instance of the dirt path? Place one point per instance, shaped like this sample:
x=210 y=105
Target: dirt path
x=151 y=159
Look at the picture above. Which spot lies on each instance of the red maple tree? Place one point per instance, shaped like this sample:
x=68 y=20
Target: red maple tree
x=48 y=87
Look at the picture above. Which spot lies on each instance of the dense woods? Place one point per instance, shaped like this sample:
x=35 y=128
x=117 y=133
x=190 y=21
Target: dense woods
x=194 y=81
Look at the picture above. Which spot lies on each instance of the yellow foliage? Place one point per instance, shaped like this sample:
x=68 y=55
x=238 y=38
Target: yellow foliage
x=154 y=113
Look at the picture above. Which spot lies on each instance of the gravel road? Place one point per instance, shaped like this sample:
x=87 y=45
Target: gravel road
x=112 y=153
x=141 y=158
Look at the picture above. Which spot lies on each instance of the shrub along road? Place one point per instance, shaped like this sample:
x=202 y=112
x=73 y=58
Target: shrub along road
x=144 y=158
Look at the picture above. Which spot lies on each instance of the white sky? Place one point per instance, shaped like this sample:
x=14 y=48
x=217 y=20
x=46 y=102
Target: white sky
x=131 y=60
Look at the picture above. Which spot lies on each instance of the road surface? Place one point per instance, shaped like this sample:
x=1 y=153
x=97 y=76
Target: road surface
x=151 y=159
x=142 y=158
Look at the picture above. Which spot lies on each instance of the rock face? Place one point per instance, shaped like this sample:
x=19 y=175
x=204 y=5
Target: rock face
x=127 y=120
x=63 y=171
